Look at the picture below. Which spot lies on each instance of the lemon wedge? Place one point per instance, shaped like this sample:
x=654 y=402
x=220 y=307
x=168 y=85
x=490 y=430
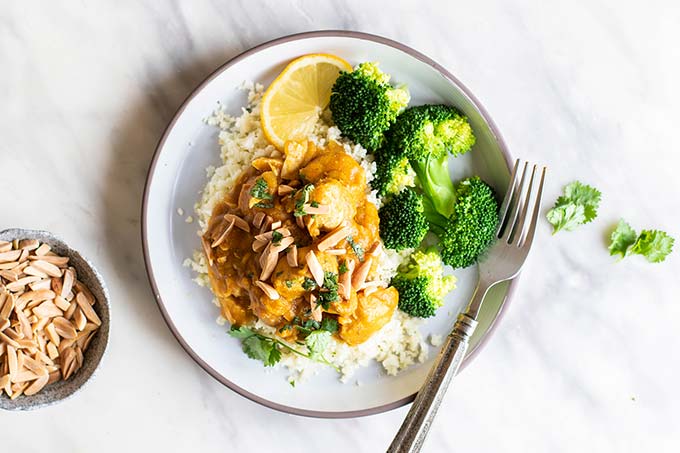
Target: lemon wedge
x=292 y=104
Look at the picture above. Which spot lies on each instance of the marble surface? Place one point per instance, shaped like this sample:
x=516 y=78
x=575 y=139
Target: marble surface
x=587 y=357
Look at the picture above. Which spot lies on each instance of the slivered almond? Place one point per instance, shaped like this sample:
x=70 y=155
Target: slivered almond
x=5 y=247
x=299 y=222
x=376 y=249
x=276 y=225
x=292 y=256
x=238 y=222
x=317 y=314
x=9 y=265
x=259 y=245
x=258 y=218
x=12 y=361
x=4 y=323
x=37 y=385
x=87 y=309
x=268 y=290
x=335 y=252
x=21 y=283
x=43 y=250
x=359 y=276
x=264 y=236
x=59 y=261
x=23 y=256
x=332 y=238
x=67 y=282
x=34 y=296
x=52 y=334
x=34 y=365
x=4 y=380
x=266 y=223
x=314 y=267
x=223 y=236
x=40 y=284
x=314 y=210
x=68 y=314
x=79 y=319
x=47 y=310
x=7 y=307
x=64 y=328
x=79 y=287
x=284 y=189
x=9 y=275
x=48 y=268
x=62 y=303
x=54 y=377
x=52 y=351
x=283 y=231
x=207 y=250
x=282 y=245
x=24 y=323
x=29 y=244
x=25 y=376
x=12 y=255
x=269 y=264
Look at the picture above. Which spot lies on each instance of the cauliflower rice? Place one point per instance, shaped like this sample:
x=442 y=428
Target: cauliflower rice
x=398 y=344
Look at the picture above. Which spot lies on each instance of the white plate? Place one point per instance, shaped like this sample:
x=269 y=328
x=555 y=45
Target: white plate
x=177 y=174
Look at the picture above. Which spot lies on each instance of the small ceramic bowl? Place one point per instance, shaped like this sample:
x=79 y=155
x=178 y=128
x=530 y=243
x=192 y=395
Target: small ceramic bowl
x=87 y=274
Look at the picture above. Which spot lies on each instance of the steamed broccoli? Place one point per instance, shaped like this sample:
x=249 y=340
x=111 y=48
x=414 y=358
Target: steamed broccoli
x=403 y=223
x=364 y=104
x=465 y=233
x=463 y=216
x=422 y=285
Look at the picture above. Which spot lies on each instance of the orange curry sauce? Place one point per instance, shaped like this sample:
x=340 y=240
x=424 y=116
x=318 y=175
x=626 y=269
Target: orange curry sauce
x=296 y=239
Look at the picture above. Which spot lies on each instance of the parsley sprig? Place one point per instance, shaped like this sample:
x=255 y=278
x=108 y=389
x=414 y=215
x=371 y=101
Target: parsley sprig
x=654 y=245
x=577 y=206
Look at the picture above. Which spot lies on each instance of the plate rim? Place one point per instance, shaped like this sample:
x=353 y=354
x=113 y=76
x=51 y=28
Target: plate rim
x=151 y=171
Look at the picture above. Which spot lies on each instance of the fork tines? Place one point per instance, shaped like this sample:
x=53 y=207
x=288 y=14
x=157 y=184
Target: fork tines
x=512 y=226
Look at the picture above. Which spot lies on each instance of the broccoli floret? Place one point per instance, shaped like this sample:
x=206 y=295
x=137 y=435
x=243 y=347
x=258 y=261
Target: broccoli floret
x=393 y=173
x=364 y=104
x=422 y=285
x=403 y=223
x=466 y=233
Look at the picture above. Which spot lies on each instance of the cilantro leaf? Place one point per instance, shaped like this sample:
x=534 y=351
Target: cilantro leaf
x=566 y=217
x=584 y=195
x=262 y=348
x=342 y=267
x=241 y=332
x=330 y=293
x=356 y=248
x=577 y=206
x=622 y=239
x=276 y=237
x=302 y=197
x=317 y=342
x=261 y=190
x=308 y=284
x=329 y=325
x=655 y=245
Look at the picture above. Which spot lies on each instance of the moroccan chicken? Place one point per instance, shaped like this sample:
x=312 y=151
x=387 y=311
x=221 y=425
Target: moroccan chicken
x=295 y=240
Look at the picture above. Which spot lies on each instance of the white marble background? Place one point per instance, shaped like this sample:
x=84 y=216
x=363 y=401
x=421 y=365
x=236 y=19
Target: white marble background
x=588 y=357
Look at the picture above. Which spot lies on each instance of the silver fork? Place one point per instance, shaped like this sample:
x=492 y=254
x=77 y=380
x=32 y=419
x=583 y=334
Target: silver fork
x=502 y=262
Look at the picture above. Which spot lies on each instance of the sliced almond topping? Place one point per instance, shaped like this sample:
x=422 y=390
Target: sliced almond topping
x=25 y=324
x=79 y=287
x=359 y=276
x=87 y=309
x=336 y=252
x=62 y=303
x=37 y=385
x=4 y=380
x=25 y=376
x=5 y=247
x=376 y=249
x=264 y=236
x=284 y=189
x=79 y=319
x=4 y=323
x=68 y=314
x=299 y=222
x=48 y=268
x=52 y=334
x=223 y=236
x=266 y=223
x=332 y=238
x=314 y=210
x=59 y=261
x=238 y=222
x=292 y=256
x=34 y=296
x=259 y=245
x=276 y=225
x=9 y=275
x=7 y=307
x=268 y=290
x=207 y=251
x=64 y=328
x=21 y=283
x=282 y=245
x=40 y=284
x=30 y=270
x=270 y=260
x=258 y=218
x=314 y=267
x=35 y=366
x=12 y=361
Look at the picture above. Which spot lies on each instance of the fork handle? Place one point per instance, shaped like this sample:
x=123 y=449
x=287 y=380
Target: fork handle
x=412 y=433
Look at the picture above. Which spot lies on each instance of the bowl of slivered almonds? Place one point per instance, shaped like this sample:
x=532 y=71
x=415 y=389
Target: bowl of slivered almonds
x=54 y=319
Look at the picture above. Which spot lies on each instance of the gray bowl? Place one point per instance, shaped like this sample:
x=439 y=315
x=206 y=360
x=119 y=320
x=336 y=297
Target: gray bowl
x=87 y=274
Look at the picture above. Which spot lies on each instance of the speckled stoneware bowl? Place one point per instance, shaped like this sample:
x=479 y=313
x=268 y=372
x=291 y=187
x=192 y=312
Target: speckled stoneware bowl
x=87 y=274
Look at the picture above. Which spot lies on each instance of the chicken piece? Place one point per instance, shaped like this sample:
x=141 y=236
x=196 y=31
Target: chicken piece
x=337 y=165
x=235 y=310
x=288 y=281
x=344 y=308
x=297 y=155
x=331 y=193
x=271 y=311
x=372 y=313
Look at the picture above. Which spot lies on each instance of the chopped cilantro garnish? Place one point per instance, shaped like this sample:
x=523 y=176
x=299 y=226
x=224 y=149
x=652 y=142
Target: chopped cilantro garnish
x=289 y=283
x=314 y=204
x=276 y=237
x=264 y=205
x=356 y=248
x=342 y=268
x=308 y=284
x=261 y=190
x=330 y=290
x=302 y=199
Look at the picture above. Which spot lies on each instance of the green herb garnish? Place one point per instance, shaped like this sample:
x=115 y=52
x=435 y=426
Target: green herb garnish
x=654 y=245
x=329 y=292
x=260 y=190
x=342 y=267
x=276 y=237
x=577 y=206
x=356 y=248
x=308 y=284
x=302 y=199
x=289 y=283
